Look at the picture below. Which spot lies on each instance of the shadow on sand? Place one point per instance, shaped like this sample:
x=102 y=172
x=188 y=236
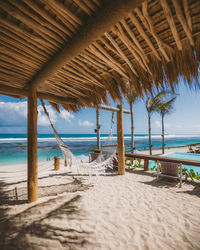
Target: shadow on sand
x=167 y=183
x=46 y=225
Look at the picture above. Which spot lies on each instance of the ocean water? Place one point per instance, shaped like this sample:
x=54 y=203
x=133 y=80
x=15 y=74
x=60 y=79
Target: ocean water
x=13 y=147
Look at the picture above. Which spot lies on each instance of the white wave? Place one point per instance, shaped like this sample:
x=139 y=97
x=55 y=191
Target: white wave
x=103 y=138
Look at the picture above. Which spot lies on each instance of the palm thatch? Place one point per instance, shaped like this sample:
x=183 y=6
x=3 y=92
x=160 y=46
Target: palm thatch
x=151 y=46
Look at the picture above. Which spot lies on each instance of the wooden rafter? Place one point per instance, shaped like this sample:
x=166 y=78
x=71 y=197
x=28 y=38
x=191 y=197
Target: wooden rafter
x=171 y=22
x=187 y=14
x=125 y=58
x=182 y=20
x=143 y=34
x=98 y=50
x=99 y=24
x=133 y=49
x=152 y=30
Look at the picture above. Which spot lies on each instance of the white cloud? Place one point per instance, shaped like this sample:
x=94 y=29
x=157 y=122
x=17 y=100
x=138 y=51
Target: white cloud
x=158 y=123
x=14 y=114
x=85 y=123
x=43 y=119
x=66 y=115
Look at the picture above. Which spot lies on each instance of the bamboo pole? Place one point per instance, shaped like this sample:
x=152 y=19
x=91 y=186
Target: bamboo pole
x=120 y=141
x=32 y=147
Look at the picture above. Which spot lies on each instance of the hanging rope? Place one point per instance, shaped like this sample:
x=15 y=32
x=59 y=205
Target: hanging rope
x=98 y=165
x=110 y=142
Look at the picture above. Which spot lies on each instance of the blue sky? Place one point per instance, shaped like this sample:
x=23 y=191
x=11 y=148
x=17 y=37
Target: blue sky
x=184 y=120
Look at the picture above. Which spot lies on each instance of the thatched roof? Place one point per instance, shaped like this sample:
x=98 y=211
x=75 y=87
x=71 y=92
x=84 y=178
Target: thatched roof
x=76 y=51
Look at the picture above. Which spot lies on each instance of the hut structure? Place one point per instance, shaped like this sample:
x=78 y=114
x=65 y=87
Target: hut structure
x=75 y=52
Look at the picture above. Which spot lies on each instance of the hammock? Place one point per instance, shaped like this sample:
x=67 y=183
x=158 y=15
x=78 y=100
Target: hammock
x=98 y=165
x=109 y=143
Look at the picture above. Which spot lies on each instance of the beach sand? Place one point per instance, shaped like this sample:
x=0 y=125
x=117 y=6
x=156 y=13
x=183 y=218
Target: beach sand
x=77 y=211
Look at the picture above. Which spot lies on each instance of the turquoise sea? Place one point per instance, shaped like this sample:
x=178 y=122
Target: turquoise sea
x=13 y=147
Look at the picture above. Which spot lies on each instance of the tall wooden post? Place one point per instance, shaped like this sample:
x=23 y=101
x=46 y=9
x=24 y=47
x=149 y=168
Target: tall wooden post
x=98 y=129
x=120 y=141
x=32 y=147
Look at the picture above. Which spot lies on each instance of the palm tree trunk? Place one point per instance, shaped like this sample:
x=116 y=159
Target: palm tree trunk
x=149 y=123
x=132 y=127
x=163 y=135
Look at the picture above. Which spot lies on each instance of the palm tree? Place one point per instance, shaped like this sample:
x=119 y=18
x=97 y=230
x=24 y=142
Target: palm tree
x=152 y=105
x=132 y=98
x=166 y=107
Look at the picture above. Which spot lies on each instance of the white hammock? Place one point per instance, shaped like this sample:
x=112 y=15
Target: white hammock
x=98 y=165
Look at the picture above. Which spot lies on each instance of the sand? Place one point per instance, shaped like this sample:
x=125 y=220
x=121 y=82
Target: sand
x=76 y=211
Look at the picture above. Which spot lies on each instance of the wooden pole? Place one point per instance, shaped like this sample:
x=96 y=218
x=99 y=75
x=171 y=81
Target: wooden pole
x=120 y=141
x=146 y=165
x=98 y=128
x=32 y=147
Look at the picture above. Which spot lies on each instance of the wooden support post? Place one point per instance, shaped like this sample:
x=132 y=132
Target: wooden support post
x=32 y=147
x=98 y=129
x=120 y=141
x=146 y=165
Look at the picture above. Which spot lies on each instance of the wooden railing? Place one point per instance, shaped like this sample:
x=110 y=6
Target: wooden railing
x=163 y=158
x=159 y=158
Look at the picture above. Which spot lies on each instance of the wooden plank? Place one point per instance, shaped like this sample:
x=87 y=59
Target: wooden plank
x=120 y=141
x=32 y=147
x=108 y=15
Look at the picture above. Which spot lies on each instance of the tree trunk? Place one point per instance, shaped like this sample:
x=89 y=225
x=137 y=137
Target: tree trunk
x=132 y=128
x=98 y=128
x=163 y=135
x=149 y=123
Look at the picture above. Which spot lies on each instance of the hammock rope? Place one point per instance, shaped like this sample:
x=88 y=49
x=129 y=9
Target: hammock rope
x=98 y=165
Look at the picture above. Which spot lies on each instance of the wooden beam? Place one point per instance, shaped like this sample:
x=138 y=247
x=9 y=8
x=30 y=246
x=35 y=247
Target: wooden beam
x=104 y=107
x=132 y=47
x=32 y=147
x=110 y=13
x=183 y=21
x=187 y=13
x=153 y=31
x=143 y=34
x=172 y=25
x=123 y=55
x=20 y=93
x=120 y=141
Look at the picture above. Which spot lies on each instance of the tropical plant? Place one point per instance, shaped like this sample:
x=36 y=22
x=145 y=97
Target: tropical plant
x=138 y=163
x=152 y=105
x=165 y=108
x=132 y=98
